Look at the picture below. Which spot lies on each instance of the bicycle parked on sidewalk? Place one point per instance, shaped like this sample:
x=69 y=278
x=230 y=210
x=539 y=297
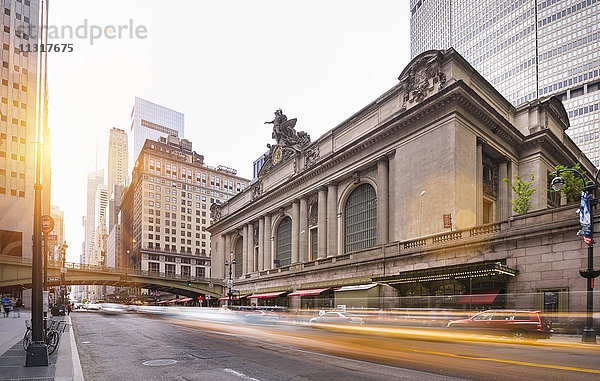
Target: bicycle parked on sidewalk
x=51 y=334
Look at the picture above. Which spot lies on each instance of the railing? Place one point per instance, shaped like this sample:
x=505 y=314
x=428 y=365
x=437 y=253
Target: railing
x=414 y=243
x=112 y=270
x=445 y=237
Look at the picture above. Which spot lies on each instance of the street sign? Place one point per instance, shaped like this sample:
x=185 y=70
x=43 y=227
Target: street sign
x=52 y=239
x=447 y=221
x=53 y=278
x=47 y=223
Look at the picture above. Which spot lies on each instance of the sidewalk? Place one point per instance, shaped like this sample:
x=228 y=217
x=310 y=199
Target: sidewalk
x=64 y=362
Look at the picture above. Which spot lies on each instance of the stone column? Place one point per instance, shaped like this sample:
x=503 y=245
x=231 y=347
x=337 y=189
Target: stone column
x=479 y=185
x=382 y=200
x=503 y=202
x=295 y=230
x=245 y=250
x=267 y=242
x=322 y=222
x=250 y=249
x=227 y=246
x=332 y=231
x=303 y=245
x=261 y=244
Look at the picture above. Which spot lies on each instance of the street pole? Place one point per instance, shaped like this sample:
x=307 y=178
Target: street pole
x=588 y=334
x=37 y=352
x=421 y=211
x=45 y=262
x=230 y=264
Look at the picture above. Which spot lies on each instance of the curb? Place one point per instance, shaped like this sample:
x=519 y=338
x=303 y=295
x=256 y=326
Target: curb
x=68 y=366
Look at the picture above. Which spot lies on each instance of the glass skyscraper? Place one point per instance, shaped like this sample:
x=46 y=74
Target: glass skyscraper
x=152 y=121
x=527 y=49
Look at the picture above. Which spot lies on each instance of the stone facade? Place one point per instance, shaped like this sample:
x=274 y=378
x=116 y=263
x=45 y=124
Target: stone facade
x=443 y=130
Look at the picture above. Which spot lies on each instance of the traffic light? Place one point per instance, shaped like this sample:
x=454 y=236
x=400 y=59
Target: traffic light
x=189 y=283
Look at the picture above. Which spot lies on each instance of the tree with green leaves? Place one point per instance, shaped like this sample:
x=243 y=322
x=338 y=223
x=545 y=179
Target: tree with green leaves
x=523 y=191
x=573 y=183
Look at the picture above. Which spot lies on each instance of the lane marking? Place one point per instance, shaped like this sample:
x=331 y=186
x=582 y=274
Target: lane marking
x=241 y=375
x=464 y=357
x=497 y=360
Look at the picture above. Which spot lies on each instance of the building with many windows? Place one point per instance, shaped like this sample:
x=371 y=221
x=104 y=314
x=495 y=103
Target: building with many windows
x=18 y=128
x=118 y=159
x=526 y=49
x=404 y=203
x=166 y=208
x=152 y=121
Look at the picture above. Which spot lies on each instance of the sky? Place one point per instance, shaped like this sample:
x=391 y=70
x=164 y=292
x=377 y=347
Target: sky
x=226 y=65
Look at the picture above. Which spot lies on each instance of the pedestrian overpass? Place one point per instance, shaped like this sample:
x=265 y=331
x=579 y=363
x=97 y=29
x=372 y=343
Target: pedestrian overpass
x=15 y=272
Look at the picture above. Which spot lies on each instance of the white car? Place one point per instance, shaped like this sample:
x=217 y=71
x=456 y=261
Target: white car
x=111 y=308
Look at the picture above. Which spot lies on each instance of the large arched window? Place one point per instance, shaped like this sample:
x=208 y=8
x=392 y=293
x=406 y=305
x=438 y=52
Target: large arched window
x=360 y=219
x=284 y=243
x=239 y=257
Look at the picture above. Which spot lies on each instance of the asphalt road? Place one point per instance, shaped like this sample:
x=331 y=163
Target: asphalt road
x=119 y=348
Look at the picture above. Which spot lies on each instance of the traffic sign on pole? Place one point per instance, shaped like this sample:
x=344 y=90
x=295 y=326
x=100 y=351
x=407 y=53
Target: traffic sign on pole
x=47 y=223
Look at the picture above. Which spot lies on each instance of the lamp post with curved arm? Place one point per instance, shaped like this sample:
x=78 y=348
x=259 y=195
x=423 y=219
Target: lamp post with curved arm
x=588 y=335
x=230 y=264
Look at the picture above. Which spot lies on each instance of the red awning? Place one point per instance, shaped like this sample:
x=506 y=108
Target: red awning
x=184 y=300
x=267 y=295
x=226 y=298
x=315 y=291
x=172 y=301
x=483 y=298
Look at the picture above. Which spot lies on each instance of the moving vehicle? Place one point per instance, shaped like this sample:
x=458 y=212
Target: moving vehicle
x=517 y=324
x=334 y=317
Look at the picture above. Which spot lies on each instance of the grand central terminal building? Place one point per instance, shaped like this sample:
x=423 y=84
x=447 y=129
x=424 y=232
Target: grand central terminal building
x=404 y=204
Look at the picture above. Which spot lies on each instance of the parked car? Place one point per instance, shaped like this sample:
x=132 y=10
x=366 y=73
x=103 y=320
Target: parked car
x=518 y=324
x=334 y=317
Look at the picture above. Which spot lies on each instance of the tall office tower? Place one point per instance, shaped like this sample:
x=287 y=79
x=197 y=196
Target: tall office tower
x=95 y=179
x=152 y=121
x=18 y=92
x=98 y=255
x=166 y=208
x=58 y=234
x=118 y=159
x=527 y=49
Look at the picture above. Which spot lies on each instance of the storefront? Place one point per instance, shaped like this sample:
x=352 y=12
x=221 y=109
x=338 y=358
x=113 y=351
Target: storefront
x=316 y=298
x=272 y=299
x=469 y=286
x=359 y=296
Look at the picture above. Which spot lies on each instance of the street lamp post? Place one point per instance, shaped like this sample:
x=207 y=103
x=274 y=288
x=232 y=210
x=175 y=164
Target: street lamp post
x=588 y=335
x=421 y=211
x=230 y=264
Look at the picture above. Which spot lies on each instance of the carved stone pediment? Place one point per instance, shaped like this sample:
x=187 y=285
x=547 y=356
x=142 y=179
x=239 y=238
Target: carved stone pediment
x=288 y=142
x=257 y=189
x=215 y=213
x=419 y=78
x=310 y=156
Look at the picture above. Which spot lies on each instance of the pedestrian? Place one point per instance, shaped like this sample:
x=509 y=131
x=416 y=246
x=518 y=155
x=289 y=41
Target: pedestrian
x=17 y=310
x=69 y=309
x=6 y=304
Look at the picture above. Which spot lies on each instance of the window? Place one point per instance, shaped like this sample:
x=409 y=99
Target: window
x=185 y=270
x=153 y=267
x=200 y=272
x=360 y=219
x=314 y=244
x=239 y=257
x=169 y=268
x=283 y=255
